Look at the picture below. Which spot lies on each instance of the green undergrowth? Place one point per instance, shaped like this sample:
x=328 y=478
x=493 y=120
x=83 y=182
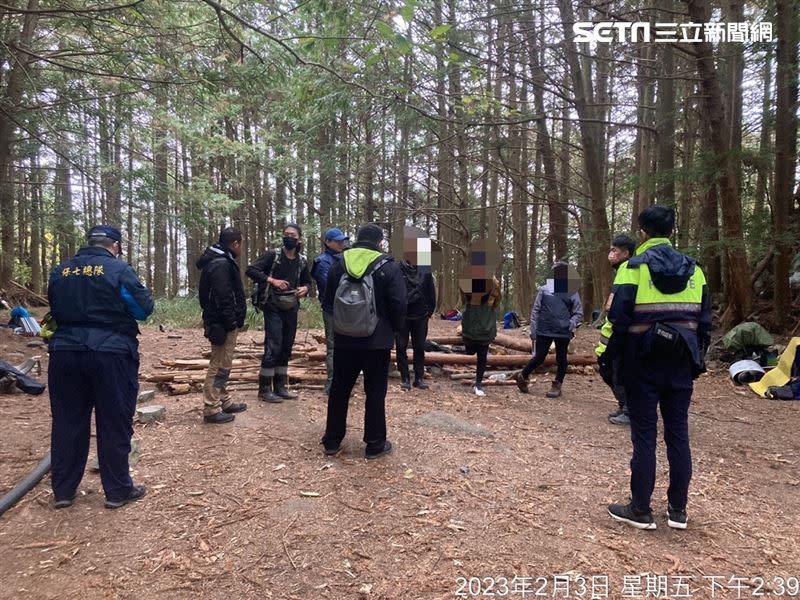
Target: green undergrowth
x=183 y=312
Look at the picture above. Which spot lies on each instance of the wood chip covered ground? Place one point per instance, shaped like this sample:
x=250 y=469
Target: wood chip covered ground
x=502 y=486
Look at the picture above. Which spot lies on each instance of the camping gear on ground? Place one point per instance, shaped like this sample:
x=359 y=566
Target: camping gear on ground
x=788 y=367
x=746 y=371
x=790 y=391
x=20 y=378
x=747 y=341
x=511 y=320
x=23 y=323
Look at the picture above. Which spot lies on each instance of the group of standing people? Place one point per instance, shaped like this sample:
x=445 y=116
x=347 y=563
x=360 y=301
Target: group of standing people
x=652 y=345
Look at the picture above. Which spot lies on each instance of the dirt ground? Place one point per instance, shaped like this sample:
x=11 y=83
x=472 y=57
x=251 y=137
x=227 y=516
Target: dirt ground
x=498 y=487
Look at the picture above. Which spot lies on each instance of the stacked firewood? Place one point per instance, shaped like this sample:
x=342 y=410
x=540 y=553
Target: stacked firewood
x=307 y=367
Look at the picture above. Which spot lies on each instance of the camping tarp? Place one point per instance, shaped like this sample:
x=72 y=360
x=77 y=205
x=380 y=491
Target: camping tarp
x=746 y=335
x=781 y=374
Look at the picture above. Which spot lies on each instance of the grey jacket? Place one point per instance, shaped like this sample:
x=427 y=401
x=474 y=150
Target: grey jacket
x=555 y=316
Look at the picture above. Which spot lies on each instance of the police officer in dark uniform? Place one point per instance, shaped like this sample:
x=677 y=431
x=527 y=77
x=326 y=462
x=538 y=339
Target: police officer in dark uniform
x=661 y=323
x=95 y=299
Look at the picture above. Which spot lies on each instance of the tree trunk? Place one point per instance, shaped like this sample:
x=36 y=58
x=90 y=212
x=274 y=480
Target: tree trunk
x=161 y=193
x=737 y=272
x=597 y=234
x=665 y=120
x=17 y=76
x=786 y=79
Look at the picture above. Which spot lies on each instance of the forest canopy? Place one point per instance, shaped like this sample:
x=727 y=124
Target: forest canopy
x=470 y=119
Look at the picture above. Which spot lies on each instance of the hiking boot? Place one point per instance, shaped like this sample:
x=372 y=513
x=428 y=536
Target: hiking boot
x=676 y=518
x=137 y=492
x=280 y=388
x=555 y=390
x=219 y=418
x=522 y=382
x=620 y=419
x=64 y=502
x=387 y=447
x=478 y=389
x=235 y=407
x=420 y=384
x=405 y=383
x=625 y=513
x=265 y=393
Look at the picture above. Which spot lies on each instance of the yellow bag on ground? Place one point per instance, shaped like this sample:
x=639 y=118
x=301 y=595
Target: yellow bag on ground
x=781 y=374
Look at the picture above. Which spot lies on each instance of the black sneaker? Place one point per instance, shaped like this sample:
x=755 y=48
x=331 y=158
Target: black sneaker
x=333 y=450
x=676 y=518
x=387 y=447
x=137 y=492
x=405 y=384
x=235 y=407
x=616 y=413
x=421 y=385
x=625 y=513
x=64 y=502
x=220 y=417
x=620 y=419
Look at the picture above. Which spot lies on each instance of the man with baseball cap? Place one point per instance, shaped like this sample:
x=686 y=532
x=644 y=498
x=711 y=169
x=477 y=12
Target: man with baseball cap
x=95 y=300
x=334 y=245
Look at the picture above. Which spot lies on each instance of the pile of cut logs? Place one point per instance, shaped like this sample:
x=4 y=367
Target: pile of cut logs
x=307 y=368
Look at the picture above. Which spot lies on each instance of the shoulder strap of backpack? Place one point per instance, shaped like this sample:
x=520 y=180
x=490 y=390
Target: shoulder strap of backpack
x=375 y=265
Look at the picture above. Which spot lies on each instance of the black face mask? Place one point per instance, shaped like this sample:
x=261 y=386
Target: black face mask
x=290 y=243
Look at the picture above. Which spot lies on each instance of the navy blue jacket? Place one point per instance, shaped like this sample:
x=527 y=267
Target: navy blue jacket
x=96 y=299
x=221 y=291
x=319 y=271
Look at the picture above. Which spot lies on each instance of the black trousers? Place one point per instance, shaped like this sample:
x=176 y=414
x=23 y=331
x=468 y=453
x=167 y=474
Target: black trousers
x=80 y=382
x=542 y=347
x=650 y=386
x=418 y=328
x=280 y=329
x=347 y=364
x=482 y=351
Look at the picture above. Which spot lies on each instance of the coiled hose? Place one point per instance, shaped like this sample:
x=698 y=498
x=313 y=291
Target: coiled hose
x=26 y=485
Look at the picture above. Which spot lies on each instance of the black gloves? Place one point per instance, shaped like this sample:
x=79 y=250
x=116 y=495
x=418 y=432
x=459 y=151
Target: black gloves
x=216 y=334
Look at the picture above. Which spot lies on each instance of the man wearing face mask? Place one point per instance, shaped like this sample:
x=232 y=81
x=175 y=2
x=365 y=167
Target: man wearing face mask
x=283 y=275
x=95 y=300
x=221 y=295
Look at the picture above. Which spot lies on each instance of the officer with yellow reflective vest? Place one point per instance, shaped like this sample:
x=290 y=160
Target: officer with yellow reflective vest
x=622 y=248
x=661 y=323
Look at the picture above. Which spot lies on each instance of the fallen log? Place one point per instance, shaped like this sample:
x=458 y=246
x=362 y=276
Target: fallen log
x=507 y=341
x=189 y=377
x=494 y=360
x=192 y=364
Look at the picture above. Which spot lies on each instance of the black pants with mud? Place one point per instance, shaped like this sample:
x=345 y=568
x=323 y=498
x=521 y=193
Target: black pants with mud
x=280 y=328
x=542 y=347
x=347 y=364
x=418 y=328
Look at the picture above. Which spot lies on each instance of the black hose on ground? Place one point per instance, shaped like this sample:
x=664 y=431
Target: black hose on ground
x=26 y=485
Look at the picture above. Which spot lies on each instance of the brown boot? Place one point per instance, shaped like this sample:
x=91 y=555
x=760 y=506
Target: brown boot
x=555 y=390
